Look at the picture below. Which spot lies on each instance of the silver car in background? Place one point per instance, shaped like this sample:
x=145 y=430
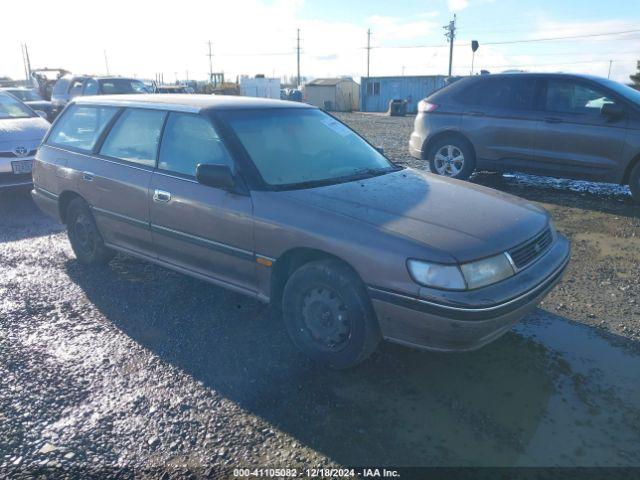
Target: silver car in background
x=21 y=132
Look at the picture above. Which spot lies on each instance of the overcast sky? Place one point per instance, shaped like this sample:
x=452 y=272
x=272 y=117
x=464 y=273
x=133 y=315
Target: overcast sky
x=143 y=37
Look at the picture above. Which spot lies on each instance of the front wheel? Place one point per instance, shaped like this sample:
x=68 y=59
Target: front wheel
x=634 y=183
x=84 y=236
x=452 y=157
x=329 y=316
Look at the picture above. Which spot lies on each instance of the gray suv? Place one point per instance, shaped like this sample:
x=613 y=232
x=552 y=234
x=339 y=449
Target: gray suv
x=282 y=202
x=561 y=125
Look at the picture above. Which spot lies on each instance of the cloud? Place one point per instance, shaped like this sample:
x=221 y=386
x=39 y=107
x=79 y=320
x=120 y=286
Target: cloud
x=457 y=5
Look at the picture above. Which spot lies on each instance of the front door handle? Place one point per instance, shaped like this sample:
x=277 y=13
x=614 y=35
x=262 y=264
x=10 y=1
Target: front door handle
x=161 y=196
x=553 y=120
x=475 y=114
x=87 y=176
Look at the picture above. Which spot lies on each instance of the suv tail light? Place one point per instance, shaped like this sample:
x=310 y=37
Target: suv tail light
x=426 y=107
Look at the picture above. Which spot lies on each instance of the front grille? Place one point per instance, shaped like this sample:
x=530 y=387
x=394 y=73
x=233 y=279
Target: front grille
x=13 y=155
x=529 y=251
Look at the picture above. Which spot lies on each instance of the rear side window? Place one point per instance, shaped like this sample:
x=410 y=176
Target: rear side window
x=76 y=88
x=135 y=136
x=81 y=126
x=511 y=93
x=189 y=140
x=91 y=87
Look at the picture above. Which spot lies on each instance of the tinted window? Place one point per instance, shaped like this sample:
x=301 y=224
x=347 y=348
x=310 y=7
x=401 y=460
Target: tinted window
x=189 y=140
x=566 y=96
x=76 y=88
x=91 y=87
x=508 y=93
x=293 y=146
x=80 y=127
x=135 y=136
x=114 y=86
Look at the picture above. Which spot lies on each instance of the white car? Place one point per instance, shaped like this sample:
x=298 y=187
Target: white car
x=21 y=132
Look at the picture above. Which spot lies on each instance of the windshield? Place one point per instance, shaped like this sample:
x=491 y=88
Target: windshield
x=304 y=147
x=12 y=108
x=25 y=95
x=114 y=86
x=624 y=90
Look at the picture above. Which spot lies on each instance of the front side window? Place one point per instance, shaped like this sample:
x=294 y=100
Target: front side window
x=10 y=107
x=189 y=140
x=81 y=126
x=26 y=95
x=292 y=147
x=115 y=86
x=76 y=88
x=135 y=136
x=510 y=93
x=566 y=96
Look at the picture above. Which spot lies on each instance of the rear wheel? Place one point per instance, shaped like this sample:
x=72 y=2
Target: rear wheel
x=84 y=236
x=634 y=183
x=328 y=314
x=452 y=157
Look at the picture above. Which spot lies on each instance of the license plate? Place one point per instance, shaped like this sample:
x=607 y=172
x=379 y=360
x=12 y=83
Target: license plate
x=22 y=166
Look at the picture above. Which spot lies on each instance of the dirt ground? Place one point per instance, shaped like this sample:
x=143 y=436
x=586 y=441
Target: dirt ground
x=133 y=366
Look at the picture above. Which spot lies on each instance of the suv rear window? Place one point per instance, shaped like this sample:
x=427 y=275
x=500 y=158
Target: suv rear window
x=80 y=127
x=60 y=87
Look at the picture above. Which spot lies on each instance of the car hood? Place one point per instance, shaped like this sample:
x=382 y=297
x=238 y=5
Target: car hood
x=16 y=130
x=457 y=218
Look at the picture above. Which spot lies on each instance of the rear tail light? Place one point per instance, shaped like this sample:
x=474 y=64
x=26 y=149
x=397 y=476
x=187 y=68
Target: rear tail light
x=426 y=107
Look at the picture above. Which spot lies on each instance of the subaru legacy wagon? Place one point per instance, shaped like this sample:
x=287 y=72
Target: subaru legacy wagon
x=282 y=202
x=560 y=125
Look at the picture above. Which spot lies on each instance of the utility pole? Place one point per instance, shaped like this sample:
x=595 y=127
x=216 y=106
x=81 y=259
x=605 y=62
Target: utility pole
x=106 y=61
x=609 y=74
x=298 y=55
x=210 y=55
x=27 y=63
x=368 y=49
x=451 y=36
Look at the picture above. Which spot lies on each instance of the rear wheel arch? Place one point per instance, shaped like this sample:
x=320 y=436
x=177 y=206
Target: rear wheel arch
x=430 y=142
x=64 y=200
x=627 y=173
x=293 y=259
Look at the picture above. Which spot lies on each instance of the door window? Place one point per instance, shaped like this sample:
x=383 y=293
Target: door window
x=80 y=127
x=189 y=140
x=510 y=93
x=76 y=88
x=91 y=87
x=135 y=136
x=566 y=96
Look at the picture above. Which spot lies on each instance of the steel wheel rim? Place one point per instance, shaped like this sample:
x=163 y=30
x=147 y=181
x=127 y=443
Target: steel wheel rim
x=449 y=161
x=84 y=234
x=325 y=319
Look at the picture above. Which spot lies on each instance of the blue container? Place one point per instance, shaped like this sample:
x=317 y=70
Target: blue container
x=376 y=92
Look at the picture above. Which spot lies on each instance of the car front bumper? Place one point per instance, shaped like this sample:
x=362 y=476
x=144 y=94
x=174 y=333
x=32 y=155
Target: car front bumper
x=445 y=326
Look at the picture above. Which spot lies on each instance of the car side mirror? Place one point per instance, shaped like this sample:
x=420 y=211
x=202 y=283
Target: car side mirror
x=214 y=175
x=612 y=110
x=42 y=114
x=380 y=149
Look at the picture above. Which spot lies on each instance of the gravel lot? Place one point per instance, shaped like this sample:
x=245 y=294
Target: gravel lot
x=136 y=367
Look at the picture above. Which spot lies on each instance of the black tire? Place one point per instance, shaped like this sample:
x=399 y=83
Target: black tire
x=332 y=293
x=84 y=235
x=459 y=145
x=634 y=183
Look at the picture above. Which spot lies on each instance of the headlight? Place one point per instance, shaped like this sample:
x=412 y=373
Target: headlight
x=435 y=275
x=485 y=272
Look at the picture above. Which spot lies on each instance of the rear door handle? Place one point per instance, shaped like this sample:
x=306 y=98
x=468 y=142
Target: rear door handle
x=161 y=196
x=87 y=176
x=475 y=114
x=553 y=120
